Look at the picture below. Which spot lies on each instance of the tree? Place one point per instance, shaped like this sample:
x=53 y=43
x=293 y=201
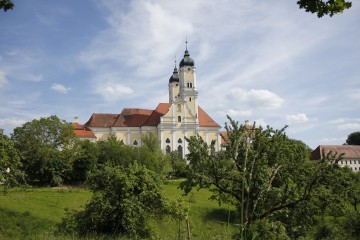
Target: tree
x=266 y=175
x=85 y=160
x=10 y=162
x=124 y=199
x=353 y=138
x=324 y=7
x=46 y=147
x=6 y=5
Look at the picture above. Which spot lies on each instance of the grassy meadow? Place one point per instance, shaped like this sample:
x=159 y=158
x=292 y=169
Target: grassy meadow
x=32 y=213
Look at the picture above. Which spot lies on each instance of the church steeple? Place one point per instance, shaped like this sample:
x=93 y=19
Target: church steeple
x=174 y=85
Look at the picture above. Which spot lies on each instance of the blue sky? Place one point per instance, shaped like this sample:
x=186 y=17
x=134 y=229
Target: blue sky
x=263 y=61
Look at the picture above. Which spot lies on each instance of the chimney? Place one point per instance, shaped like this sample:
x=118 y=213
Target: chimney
x=76 y=119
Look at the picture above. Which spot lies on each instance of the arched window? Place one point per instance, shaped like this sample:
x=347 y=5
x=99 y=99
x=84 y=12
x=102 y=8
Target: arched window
x=168 y=149
x=179 y=119
x=135 y=143
x=180 y=150
x=179 y=108
x=179 y=141
x=167 y=140
x=189 y=99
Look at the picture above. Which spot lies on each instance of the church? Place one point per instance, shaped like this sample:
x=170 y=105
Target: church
x=173 y=121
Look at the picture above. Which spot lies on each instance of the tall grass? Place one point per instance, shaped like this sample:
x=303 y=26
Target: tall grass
x=33 y=213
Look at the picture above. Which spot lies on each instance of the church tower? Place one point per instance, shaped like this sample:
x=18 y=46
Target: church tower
x=174 y=85
x=187 y=92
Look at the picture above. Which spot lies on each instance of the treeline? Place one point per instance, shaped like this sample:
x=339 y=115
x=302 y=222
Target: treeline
x=49 y=154
x=277 y=191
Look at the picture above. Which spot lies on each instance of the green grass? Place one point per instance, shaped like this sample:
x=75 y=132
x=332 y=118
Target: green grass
x=33 y=213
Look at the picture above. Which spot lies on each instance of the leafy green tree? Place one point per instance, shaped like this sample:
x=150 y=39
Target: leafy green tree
x=86 y=155
x=124 y=199
x=6 y=5
x=324 y=7
x=353 y=138
x=178 y=164
x=45 y=145
x=266 y=175
x=10 y=162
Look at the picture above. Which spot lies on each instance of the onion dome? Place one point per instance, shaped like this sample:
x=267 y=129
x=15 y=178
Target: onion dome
x=175 y=76
x=187 y=60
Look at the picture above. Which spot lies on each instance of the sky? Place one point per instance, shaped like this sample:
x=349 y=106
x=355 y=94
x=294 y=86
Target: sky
x=263 y=61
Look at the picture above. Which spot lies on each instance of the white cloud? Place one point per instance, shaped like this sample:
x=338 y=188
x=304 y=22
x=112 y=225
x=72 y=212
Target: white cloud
x=346 y=123
x=11 y=122
x=297 y=118
x=355 y=94
x=60 y=88
x=113 y=92
x=256 y=98
x=261 y=122
x=3 y=81
x=349 y=126
x=238 y=113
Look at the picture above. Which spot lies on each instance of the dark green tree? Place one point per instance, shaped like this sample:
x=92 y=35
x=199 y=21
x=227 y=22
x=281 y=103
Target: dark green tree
x=324 y=7
x=10 y=162
x=353 y=138
x=266 y=175
x=124 y=199
x=85 y=160
x=46 y=147
x=6 y=5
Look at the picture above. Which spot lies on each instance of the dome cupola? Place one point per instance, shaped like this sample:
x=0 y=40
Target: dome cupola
x=175 y=76
x=187 y=60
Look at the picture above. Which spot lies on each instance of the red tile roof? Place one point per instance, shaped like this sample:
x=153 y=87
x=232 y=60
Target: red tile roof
x=205 y=120
x=350 y=151
x=101 y=120
x=160 y=111
x=82 y=132
x=132 y=117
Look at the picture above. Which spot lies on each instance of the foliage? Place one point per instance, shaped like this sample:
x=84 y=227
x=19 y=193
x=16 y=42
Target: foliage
x=123 y=200
x=6 y=5
x=10 y=162
x=324 y=7
x=266 y=175
x=353 y=138
x=46 y=147
x=178 y=164
x=114 y=152
x=86 y=158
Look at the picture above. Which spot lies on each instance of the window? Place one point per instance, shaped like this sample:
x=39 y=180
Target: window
x=167 y=140
x=135 y=143
x=180 y=150
x=355 y=169
x=342 y=162
x=345 y=162
x=179 y=141
x=350 y=161
x=179 y=108
x=189 y=99
x=179 y=119
x=168 y=149
x=188 y=85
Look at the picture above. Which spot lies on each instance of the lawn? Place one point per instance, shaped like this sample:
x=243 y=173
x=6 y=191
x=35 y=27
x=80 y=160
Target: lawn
x=33 y=213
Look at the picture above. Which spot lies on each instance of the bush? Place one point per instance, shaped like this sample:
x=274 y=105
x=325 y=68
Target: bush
x=123 y=201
